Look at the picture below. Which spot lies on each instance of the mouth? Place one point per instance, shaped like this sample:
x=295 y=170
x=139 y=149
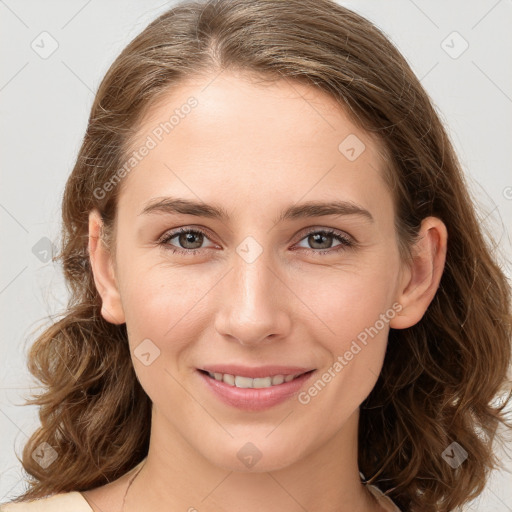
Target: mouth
x=266 y=387
x=241 y=381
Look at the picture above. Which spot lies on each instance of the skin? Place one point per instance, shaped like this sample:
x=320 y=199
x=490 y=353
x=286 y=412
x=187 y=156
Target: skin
x=254 y=150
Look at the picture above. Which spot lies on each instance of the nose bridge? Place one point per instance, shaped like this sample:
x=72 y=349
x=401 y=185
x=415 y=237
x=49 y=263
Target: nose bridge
x=251 y=310
x=251 y=277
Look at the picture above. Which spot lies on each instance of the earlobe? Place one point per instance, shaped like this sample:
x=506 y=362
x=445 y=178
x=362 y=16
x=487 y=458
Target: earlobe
x=103 y=271
x=423 y=276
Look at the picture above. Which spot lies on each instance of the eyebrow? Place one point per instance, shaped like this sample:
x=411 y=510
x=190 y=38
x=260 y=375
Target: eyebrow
x=171 y=205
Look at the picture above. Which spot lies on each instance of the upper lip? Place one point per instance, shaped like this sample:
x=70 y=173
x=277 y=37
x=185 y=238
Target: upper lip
x=255 y=371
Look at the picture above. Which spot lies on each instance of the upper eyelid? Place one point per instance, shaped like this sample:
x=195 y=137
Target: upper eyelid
x=171 y=233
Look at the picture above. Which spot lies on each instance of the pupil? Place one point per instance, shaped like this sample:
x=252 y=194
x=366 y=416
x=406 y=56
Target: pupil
x=317 y=239
x=189 y=238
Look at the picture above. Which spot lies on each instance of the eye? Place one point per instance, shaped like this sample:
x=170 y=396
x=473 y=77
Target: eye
x=321 y=241
x=190 y=239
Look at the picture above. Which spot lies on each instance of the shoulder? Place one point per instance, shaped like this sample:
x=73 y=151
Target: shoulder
x=62 y=502
x=384 y=501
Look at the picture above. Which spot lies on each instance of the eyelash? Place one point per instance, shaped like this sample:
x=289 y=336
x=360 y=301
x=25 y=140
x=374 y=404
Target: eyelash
x=345 y=242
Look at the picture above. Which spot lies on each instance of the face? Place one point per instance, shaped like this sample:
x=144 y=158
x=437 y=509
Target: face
x=270 y=287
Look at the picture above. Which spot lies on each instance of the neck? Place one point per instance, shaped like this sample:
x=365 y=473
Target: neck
x=175 y=476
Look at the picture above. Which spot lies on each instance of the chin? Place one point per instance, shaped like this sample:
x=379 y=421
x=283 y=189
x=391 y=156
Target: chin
x=253 y=456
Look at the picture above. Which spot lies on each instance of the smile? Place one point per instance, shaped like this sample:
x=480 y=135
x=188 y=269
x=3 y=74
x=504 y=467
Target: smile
x=247 y=382
x=256 y=392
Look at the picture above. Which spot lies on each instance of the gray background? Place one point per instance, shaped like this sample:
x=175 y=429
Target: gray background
x=45 y=102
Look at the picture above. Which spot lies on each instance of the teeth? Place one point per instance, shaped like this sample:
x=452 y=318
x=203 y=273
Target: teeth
x=243 y=382
x=247 y=382
x=228 y=379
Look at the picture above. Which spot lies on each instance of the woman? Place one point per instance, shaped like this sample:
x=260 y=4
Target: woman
x=281 y=296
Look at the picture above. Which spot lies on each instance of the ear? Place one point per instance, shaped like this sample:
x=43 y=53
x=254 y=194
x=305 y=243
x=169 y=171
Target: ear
x=103 y=271
x=420 y=280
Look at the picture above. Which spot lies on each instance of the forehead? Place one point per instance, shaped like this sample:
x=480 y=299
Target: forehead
x=232 y=134
x=232 y=100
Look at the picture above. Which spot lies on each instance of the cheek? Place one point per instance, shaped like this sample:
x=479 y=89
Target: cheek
x=346 y=301
x=166 y=305
x=356 y=333
x=163 y=319
x=353 y=310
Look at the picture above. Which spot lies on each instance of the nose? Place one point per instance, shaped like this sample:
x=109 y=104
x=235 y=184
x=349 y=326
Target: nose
x=253 y=303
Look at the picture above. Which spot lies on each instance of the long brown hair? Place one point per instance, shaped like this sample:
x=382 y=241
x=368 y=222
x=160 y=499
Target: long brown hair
x=441 y=377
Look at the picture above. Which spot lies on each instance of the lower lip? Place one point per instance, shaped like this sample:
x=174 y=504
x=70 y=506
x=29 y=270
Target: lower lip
x=255 y=399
